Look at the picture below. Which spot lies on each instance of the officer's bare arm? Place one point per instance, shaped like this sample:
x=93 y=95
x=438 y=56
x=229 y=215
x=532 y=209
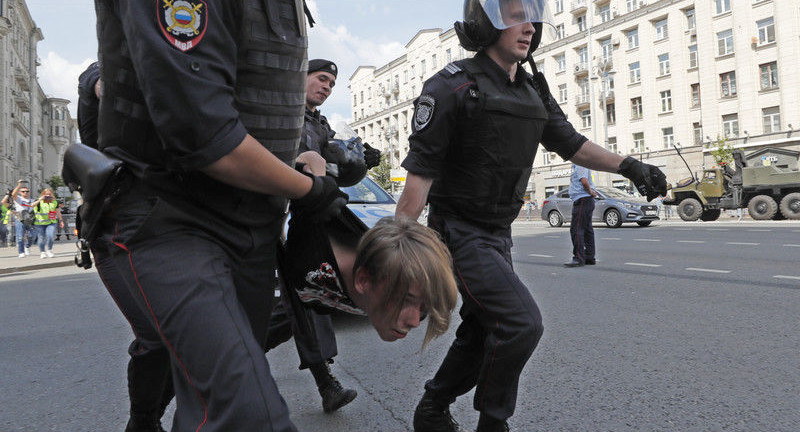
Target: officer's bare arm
x=594 y=157
x=252 y=167
x=414 y=197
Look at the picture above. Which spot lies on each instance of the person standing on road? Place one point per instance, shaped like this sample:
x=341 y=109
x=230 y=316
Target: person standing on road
x=581 y=190
x=46 y=216
x=208 y=123
x=475 y=132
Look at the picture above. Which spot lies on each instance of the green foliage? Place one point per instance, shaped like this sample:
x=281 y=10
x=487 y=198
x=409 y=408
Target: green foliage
x=55 y=182
x=382 y=174
x=723 y=153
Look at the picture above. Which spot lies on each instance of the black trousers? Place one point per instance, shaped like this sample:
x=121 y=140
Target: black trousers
x=501 y=323
x=210 y=305
x=581 y=230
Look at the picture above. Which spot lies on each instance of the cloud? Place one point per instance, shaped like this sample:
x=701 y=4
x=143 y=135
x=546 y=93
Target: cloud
x=59 y=78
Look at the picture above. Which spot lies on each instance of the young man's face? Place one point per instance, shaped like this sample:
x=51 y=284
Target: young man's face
x=319 y=86
x=515 y=41
x=390 y=324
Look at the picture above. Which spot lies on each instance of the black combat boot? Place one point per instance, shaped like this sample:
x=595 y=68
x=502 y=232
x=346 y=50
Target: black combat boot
x=334 y=396
x=433 y=416
x=144 y=422
x=489 y=424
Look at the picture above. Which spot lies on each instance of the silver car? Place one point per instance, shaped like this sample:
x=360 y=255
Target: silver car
x=369 y=202
x=613 y=206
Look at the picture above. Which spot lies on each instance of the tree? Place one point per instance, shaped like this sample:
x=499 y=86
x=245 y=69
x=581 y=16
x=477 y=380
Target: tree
x=55 y=182
x=382 y=174
x=723 y=153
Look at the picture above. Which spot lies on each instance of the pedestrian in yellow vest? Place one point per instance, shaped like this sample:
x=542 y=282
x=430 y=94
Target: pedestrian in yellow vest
x=46 y=215
x=4 y=217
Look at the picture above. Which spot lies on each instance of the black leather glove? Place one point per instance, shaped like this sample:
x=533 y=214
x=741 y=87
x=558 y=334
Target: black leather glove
x=372 y=156
x=322 y=203
x=648 y=179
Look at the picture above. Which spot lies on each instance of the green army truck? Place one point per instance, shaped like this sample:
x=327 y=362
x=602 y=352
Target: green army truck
x=768 y=192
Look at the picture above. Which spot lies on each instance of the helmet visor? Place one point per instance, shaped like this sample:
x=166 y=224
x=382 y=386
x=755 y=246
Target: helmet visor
x=509 y=13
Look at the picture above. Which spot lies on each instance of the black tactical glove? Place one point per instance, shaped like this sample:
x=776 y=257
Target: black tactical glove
x=322 y=203
x=372 y=156
x=648 y=179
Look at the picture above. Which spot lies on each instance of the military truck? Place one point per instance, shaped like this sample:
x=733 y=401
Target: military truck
x=768 y=192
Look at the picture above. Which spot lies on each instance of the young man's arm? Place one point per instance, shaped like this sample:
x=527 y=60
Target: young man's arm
x=414 y=197
x=594 y=157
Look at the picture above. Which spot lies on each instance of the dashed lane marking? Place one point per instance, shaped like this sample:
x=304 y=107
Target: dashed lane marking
x=642 y=264
x=683 y=229
x=707 y=270
x=552 y=237
x=743 y=244
x=792 y=245
x=610 y=238
x=758 y=230
x=718 y=229
x=540 y=256
x=691 y=241
x=787 y=277
x=647 y=240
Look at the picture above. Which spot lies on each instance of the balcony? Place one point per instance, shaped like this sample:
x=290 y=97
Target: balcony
x=609 y=95
x=22 y=102
x=578 y=6
x=581 y=101
x=582 y=69
x=22 y=78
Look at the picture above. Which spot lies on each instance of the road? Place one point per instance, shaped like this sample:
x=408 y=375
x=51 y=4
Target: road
x=680 y=327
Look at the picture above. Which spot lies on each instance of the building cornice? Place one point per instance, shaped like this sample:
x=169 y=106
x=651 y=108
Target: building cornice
x=380 y=114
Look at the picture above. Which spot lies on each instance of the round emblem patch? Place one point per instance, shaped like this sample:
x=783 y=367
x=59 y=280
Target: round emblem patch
x=183 y=22
x=425 y=106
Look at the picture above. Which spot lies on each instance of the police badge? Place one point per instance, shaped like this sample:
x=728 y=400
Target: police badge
x=425 y=106
x=183 y=22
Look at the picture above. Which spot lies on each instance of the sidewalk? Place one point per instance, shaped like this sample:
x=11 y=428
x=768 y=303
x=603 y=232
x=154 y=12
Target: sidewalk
x=10 y=262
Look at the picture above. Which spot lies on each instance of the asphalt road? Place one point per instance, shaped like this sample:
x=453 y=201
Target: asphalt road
x=680 y=327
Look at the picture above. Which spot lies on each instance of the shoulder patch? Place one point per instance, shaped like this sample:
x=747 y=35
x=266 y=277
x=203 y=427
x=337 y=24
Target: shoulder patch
x=183 y=22
x=452 y=69
x=425 y=107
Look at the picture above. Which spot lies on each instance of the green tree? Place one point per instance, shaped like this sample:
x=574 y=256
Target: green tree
x=382 y=174
x=55 y=182
x=723 y=153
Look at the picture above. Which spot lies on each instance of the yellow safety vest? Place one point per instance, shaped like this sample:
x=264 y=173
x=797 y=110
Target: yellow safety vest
x=45 y=214
x=6 y=214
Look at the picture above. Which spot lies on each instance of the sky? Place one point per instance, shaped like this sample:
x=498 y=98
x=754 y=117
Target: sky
x=351 y=33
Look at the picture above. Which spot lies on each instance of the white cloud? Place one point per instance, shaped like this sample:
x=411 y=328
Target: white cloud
x=59 y=78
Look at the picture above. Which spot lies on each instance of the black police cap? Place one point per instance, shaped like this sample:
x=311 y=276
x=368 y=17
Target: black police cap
x=323 y=65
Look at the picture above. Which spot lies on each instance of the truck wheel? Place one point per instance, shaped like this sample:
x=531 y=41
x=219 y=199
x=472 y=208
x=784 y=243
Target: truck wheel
x=690 y=209
x=555 y=219
x=762 y=207
x=613 y=218
x=790 y=206
x=710 y=215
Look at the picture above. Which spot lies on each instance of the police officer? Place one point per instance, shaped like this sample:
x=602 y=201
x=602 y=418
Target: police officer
x=203 y=101
x=582 y=193
x=313 y=333
x=476 y=129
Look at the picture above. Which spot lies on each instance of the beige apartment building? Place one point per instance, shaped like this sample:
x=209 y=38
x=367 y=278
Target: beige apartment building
x=635 y=76
x=34 y=129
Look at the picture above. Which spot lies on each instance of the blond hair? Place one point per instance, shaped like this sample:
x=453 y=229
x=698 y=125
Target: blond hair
x=402 y=253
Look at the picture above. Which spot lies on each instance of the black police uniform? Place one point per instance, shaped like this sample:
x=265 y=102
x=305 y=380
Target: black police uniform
x=314 y=334
x=475 y=132
x=183 y=86
x=149 y=378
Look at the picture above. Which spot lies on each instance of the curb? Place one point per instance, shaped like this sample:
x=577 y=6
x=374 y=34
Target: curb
x=9 y=270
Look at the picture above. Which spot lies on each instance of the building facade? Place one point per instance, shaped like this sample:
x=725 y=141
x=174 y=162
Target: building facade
x=635 y=76
x=34 y=129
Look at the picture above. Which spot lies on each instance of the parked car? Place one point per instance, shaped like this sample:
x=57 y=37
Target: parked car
x=613 y=206
x=369 y=202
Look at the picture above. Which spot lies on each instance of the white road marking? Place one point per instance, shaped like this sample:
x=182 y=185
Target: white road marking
x=758 y=230
x=718 y=229
x=791 y=245
x=691 y=241
x=610 y=238
x=647 y=240
x=540 y=256
x=743 y=244
x=642 y=264
x=787 y=277
x=707 y=270
x=552 y=237
x=683 y=229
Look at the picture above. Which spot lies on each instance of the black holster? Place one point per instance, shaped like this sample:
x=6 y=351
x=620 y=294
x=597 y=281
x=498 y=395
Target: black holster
x=99 y=179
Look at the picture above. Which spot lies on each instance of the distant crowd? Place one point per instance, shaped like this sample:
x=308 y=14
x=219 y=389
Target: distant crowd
x=25 y=220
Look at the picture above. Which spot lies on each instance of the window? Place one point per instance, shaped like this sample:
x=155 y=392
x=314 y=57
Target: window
x=581 y=22
x=434 y=64
x=562 y=93
x=692 y=56
x=606 y=49
x=695 y=95
x=698 y=133
x=605 y=13
x=661 y=29
x=612 y=144
x=586 y=119
x=633 y=38
x=772 y=119
x=725 y=42
x=611 y=114
x=691 y=20
x=663 y=64
x=728 y=84
x=668 y=137
x=561 y=61
x=405 y=76
x=632 y=5
x=422 y=69
x=362 y=97
x=730 y=125
x=560 y=32
x=546 y=158
x=540 y=66
x=769 y=75
x=666 y=101
x=413 y=72
x=583 y=57
x=559 y=6
x=449 y=56
x=584 y=86
x=636 y=108
x=638 y=142
x=766 y=31
x=635 y=72
x=722 y=6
